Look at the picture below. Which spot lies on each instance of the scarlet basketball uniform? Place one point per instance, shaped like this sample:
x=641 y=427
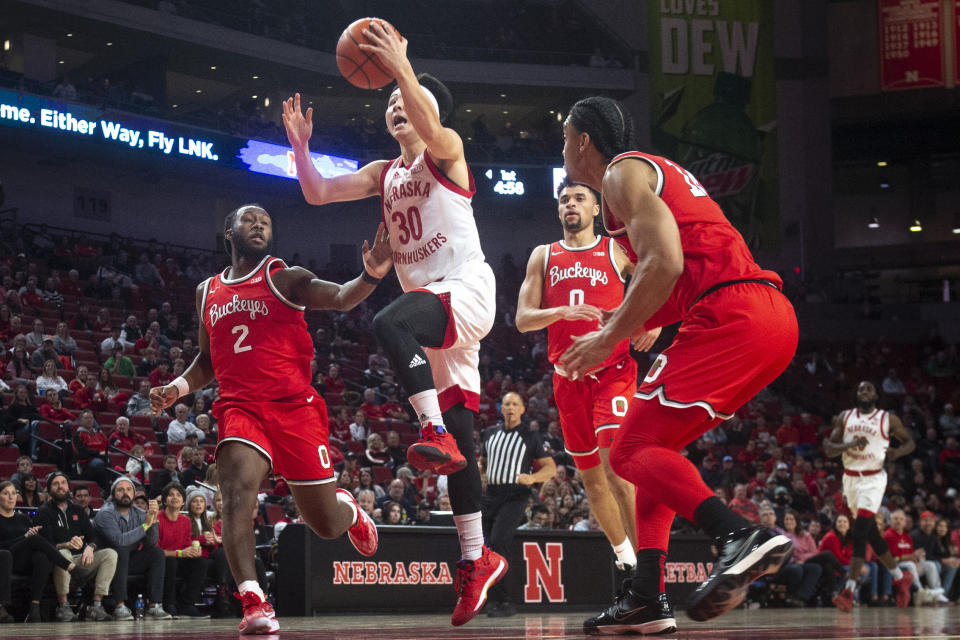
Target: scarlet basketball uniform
x=864 y=479
x=261 y=350
x=436 y=248
x=590 y=409
x=738 y=332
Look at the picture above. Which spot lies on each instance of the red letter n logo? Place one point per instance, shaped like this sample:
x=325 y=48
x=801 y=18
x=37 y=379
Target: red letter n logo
x=541 y=572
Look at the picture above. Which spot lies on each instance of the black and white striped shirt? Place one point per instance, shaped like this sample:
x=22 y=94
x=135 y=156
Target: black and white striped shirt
x=510 y=452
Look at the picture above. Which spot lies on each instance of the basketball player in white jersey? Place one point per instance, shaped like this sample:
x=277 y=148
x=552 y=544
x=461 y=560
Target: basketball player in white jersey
x=862 y=436
x=587 y=277
x=432 y=332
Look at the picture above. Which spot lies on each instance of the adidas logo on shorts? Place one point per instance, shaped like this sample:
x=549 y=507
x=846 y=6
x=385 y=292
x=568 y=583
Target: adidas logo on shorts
x=417 y=361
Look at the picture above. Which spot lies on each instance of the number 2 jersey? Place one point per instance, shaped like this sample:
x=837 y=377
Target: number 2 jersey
x=433 y=234
x=259 y=343
x=580 y=275
x=713 y=250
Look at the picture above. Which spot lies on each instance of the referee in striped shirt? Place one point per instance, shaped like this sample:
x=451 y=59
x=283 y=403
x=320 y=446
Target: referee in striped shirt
x=507 y=453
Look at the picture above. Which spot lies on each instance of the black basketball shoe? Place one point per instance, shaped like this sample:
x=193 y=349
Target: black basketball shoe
x=632 y=614
x=744 y=555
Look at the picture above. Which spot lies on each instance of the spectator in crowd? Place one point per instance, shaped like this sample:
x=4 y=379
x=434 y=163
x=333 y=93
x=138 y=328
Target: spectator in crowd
x=893 y=385
x=63 y=342
x=197 y=470
x=108 y=344
x=376 y=454
x=205 y=427
x=365 y=481
x=133 y=534
x=50 y=379
x=805 y=551
x=89 y=397
x=178 y=429
x=395 y=492
x=183 y=558
x=81 y=498
x=392 y=409
x=36 y=336
x=102 y=322
x=22 y=419
x=367 y=501
x=53 y=410
x=339 y=427
x=169 y=474
x=949 y=421
x=908 y=559
x=799 y=579
x=949 y=558
x=370 y=408
x=742 y=505
x=69 y=529
x=927 y=545
x=32 y=554
x=91 y=445
x=130 y=332
x=42 y=354
x=24 y=466
x=839 y=542
x=123 y=438
x=358 y=428
x=119 y=364
x=138 y=468
x=333 y=383
x=19 y=369
x=161 y=376
x=148 y=362
x=139 y=403
x=539 y=518
x=30 y=493
x=79 y=379
x=392 y=513
x=397 y=453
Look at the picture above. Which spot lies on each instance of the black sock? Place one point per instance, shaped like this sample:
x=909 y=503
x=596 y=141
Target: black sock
x=716 y=519
x=648 y=579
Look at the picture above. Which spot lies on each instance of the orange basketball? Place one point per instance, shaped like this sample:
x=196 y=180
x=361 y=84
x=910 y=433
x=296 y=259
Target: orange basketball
x=360 y=68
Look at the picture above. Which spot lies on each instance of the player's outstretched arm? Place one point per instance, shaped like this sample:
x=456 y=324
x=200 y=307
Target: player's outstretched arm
x=898 y=431
x=530 y=317
x=197 y=376
x=317 y=189
x=628 y=191
x=303 y=287
x=391 y=50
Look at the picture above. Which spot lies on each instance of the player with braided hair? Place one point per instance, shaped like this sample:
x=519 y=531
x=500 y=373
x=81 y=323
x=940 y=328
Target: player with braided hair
x=691 y=266
x=432 y=332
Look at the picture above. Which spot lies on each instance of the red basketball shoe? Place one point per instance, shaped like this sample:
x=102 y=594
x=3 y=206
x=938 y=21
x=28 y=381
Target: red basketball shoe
x=902 y=588
x=363 y=535
x=474 y=578
x=843 y=600
x=436 y=450
x=258 y=616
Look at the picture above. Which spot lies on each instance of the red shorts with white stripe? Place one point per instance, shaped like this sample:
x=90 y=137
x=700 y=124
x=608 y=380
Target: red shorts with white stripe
x=732 y=344
x=291 y=433
x=591 y=409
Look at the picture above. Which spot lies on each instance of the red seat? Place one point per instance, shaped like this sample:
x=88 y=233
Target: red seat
x=356 y=447
x=274 y=513
x=141 y=421
x=382 y=475
x=9 y=454
x=7 y=469
x=89 y=484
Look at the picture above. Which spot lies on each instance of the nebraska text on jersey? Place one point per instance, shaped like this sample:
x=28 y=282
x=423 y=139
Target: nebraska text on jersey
x=238 y=305
x=414 y=189
x=578 y=271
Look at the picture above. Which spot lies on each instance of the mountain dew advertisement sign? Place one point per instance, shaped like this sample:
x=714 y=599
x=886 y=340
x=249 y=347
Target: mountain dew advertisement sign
x=714 y=104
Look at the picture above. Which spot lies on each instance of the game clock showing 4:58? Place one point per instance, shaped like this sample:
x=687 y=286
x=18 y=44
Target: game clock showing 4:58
x=505 y=182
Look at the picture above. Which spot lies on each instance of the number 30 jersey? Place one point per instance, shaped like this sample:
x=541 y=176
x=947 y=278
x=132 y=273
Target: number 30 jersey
x=259 y=343
x=430 y=220
x=580 y=275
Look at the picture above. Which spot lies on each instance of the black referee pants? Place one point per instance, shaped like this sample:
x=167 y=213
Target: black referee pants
x=503 y=511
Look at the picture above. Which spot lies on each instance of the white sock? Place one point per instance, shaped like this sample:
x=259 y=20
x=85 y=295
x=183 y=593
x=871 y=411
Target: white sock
x=625 y=553
x=427 y=407
x=342 y=497
x=896 y=573
x=248 y=586
x=851 y=584
x=470 y=530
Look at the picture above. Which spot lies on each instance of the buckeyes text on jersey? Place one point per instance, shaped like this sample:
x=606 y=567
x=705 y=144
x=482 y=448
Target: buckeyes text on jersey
x=259 y=343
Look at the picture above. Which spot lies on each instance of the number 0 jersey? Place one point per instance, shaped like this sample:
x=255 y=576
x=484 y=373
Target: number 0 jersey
x=430 y=221
x=580 y=275
x=259 y=343
x=713 y=250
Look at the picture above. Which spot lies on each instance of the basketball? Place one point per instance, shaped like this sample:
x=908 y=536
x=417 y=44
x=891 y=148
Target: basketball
x=360 y=68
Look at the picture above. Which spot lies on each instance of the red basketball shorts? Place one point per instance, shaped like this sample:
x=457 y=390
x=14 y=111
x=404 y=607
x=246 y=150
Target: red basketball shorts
x=592 y=409
x=292 y=434
x=732 y=344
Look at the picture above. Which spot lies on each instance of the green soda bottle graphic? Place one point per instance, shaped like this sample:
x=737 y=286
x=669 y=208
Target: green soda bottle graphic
x=723 y=147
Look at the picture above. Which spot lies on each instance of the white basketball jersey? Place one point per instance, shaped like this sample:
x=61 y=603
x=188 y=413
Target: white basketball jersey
x=430 y=221
x=875 y=427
